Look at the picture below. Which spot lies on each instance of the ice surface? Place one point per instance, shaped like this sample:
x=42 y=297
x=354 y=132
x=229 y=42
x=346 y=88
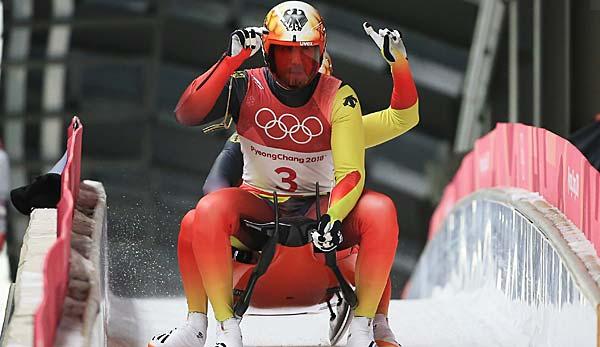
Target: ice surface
x=471 y=319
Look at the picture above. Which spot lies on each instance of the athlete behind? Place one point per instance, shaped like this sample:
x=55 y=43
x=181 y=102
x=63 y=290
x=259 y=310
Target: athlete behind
x=290 y=92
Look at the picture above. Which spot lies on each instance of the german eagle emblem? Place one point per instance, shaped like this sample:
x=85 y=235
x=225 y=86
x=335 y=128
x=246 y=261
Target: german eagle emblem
x=294 y=19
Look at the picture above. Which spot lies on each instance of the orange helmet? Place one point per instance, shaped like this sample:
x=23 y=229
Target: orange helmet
x=294 y=23
x=296 y=31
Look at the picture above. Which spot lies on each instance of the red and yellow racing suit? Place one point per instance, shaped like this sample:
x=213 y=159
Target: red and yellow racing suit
x=288 y=149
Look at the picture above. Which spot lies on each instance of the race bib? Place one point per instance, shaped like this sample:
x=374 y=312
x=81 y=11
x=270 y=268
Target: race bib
x=286 y=172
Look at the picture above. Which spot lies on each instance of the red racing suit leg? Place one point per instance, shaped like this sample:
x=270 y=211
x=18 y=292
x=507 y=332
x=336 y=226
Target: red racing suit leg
x=384 y=302
x=373 y=225
x=223 y=210
x=216 y=218
x=188 y=267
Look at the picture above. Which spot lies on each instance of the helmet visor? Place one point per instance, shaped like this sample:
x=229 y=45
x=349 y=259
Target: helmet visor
x=294 y=66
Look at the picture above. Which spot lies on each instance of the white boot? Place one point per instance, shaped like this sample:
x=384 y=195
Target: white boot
x=384 y=336
x=360 y=333
x=229 y=333
x=191 y=334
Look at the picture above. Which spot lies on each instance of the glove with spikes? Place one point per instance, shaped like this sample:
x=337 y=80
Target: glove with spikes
x=247 y=38
x=404 y=93
x=389 y=42
x=328 y=235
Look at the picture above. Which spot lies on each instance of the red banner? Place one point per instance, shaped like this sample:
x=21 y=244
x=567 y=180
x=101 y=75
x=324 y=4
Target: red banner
x=522 y=157
x=517 y=155
x=484 y=161
x=593 y=213
x=56 y=263
x=552 y=161
x=464 y=180
x=574 y=185
x=503 y=172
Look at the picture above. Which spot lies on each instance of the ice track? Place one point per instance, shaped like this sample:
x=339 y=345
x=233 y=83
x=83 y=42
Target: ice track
x=475 y=319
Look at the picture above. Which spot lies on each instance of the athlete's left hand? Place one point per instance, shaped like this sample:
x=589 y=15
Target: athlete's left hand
x=389 y=42
x=328 y=236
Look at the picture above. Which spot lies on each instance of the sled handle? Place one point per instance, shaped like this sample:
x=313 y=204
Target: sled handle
x=331 y=262
x=266 y=257
x=318 y=202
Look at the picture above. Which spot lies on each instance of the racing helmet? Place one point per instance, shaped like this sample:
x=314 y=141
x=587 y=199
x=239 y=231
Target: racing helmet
x=294 y=47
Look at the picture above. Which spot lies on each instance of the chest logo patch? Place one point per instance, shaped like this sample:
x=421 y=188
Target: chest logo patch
x=288 y=125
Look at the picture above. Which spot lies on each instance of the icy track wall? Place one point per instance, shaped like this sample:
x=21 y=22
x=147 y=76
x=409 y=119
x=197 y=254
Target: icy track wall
x=57 y=300
x=530 y=265
x=506 y=249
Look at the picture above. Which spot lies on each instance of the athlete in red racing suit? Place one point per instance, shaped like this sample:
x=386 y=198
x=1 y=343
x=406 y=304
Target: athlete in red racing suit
x=296 y=127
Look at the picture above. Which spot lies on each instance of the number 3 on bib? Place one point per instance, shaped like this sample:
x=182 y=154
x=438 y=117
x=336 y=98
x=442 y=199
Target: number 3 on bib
x=287 y=176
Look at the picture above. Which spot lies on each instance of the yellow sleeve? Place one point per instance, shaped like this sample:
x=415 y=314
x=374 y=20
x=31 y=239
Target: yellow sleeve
x=384 y=125
x=348 y=151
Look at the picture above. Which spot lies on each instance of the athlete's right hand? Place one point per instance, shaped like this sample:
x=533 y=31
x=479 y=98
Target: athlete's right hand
x=247 y=38
x=328 y=235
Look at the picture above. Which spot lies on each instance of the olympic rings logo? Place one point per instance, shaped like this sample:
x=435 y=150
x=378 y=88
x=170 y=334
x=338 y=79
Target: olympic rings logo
x=293 y=128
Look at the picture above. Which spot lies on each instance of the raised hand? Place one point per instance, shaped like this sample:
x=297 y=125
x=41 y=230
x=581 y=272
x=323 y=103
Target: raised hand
x=389 y=42
x=246 y=38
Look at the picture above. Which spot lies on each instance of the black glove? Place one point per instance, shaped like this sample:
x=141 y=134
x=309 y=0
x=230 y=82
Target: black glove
x=43 y=192
x=328 y=236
